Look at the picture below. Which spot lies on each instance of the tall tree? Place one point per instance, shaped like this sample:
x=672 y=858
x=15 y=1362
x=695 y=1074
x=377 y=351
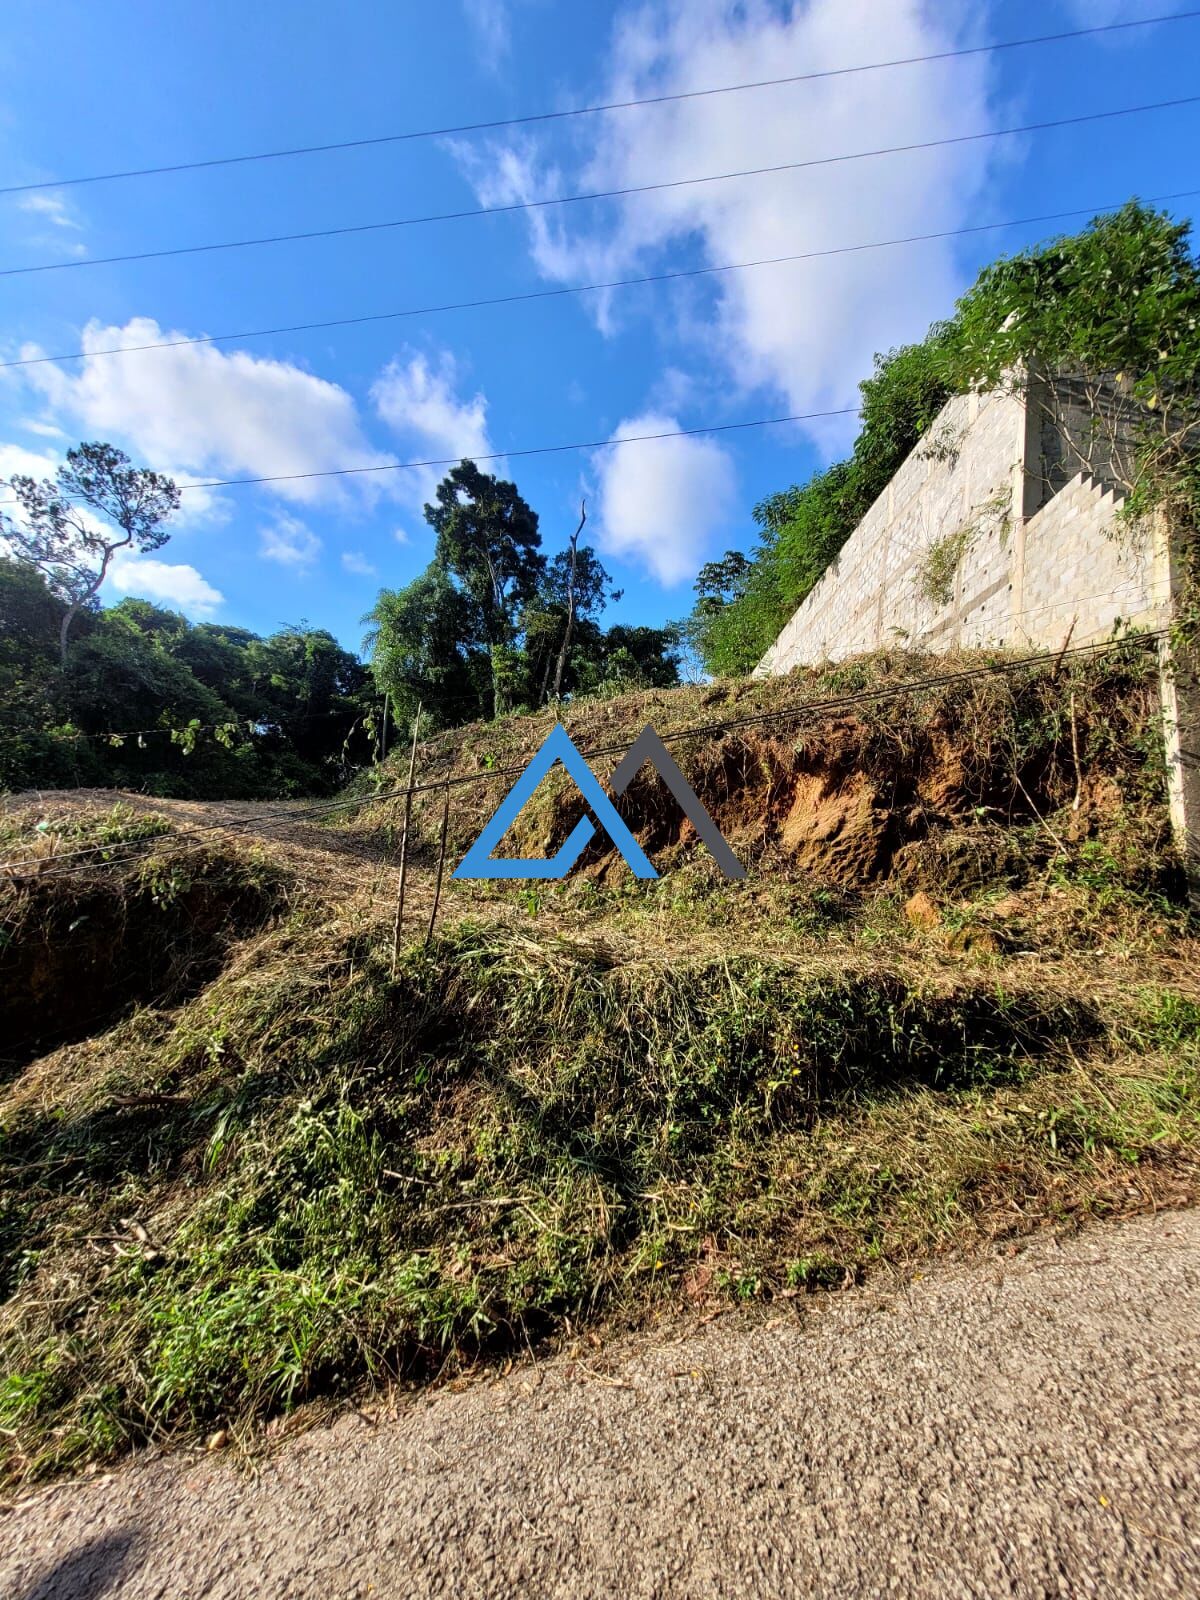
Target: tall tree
x=574 y=590
x=420 y=641
x=570 y=568
x=488 y=541
x=71 y=529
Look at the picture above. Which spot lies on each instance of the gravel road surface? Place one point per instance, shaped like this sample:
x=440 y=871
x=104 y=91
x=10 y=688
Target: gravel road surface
x=1018 y=1425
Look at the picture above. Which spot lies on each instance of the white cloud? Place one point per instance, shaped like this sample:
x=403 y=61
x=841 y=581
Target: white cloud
x=806 y=330
x=354 y=561
x=662 y=502
x=55 y=223
x=289 y=542
x=490 y=20
x=180 y=586
x=203 y=412
x=44 y=430
x=417 y=399
x=401 y=536
x=52 y=207
x=16 y=461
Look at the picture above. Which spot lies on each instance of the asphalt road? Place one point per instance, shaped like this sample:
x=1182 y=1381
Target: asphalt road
x=1019 y=1425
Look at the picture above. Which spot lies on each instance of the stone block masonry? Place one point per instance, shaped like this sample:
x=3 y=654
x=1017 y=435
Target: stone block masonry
x=1000 y=529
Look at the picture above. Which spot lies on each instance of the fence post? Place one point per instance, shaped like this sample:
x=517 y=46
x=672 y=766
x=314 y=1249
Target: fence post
x=1179 y=692
x=408 y=794
x=437 y=889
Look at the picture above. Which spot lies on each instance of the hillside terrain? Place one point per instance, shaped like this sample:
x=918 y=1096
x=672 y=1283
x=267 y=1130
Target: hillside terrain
x=248 y=1166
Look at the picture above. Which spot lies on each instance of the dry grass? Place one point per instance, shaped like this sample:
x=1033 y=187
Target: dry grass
x=599 y=1098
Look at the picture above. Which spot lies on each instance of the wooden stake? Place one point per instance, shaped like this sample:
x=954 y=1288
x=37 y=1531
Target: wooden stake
x=1065 y=643
x=1078 y=800
x=437 y=890
x=408 y=794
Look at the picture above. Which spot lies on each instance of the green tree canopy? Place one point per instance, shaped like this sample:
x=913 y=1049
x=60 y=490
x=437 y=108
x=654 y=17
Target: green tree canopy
x=71 y=528
x=146 y=700
x=491 y=625
x=488 y=543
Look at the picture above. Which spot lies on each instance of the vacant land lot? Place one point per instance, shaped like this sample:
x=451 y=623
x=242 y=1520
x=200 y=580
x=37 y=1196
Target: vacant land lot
x=251 y=1168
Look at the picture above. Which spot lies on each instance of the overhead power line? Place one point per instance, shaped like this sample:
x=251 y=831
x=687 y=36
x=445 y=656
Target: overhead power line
x=588 y=288
x=506 y=455
x=510 y=207
x=497 y=123
x=83 y=856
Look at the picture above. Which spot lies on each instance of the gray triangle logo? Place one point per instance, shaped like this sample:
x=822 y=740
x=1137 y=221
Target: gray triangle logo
x=649 y=747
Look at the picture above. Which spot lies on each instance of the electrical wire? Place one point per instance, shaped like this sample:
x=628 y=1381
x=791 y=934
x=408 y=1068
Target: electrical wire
x=829 y=705
x=269 y=723
x=589 y=288
x=251 y=724
x=506 y=455
x=496 y=123
x=513 y=206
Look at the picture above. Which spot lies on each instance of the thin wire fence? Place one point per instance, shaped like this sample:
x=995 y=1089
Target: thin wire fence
x=98 y=857
x=1154 y=594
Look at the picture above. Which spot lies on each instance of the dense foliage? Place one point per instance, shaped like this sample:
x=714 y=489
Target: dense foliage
x=491 y=625
x=1118 y=302
x=135 y=696
x=208 y=710
x=70 y=528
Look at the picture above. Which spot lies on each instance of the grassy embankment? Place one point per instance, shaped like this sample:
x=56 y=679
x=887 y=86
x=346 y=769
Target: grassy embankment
x=245 y=1167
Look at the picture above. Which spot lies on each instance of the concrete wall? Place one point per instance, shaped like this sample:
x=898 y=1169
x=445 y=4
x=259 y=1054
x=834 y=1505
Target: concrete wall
x=993 y=532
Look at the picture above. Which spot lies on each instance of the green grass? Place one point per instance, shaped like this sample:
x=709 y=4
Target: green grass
x=289 y=1177
x=347 y=1181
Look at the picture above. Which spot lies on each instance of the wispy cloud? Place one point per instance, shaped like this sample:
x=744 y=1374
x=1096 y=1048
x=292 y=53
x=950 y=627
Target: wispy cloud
x=52 y=208
x=354 y=561
x=807 y=331
x=490 y=20
x=290 y=542
x=55 y=224
x=418 y=399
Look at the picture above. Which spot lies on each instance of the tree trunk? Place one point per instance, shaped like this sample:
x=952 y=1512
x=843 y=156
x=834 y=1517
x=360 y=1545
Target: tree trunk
x=85 y=596
x=564 y=648
x=544 y=691
x=69 y=616
x=498 y=626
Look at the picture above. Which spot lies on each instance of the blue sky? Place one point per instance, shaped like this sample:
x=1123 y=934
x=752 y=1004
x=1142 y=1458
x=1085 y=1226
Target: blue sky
x=87 y=88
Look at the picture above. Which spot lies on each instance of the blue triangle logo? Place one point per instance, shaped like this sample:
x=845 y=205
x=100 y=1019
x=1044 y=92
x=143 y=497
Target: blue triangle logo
x=479 y=861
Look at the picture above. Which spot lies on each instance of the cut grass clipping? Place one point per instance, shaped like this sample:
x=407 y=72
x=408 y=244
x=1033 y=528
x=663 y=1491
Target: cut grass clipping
x=254 y=1170
x=83 y=940
x=312 y=1178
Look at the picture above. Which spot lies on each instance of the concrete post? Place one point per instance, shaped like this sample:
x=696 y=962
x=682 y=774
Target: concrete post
x=1026 y=465
x=1179 y=691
